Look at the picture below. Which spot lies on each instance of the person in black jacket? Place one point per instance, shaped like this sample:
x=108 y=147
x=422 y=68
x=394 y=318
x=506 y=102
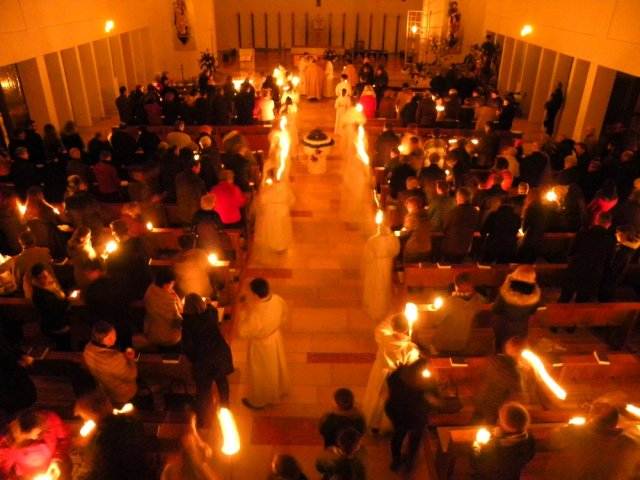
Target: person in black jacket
x=500 y=233
x=345 y=415
x=590 y=256
x=628 y=244
x=53 y=306
x=412 y=394
x=209 y=354
x=509 y=448
x=17 y=390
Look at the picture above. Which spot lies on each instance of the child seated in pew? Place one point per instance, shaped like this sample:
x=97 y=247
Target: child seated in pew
x=508 y=450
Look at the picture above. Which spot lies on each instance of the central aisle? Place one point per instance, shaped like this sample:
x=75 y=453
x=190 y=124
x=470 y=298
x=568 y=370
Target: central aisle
x=329 y=340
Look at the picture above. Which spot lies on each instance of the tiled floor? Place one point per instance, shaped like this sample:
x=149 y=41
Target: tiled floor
x=329 y=339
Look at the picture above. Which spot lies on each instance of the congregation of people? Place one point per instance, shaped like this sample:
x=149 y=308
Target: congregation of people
x=491 y=183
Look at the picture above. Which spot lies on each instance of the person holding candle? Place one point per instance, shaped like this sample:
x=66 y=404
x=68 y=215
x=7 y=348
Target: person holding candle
x=260 y=321
x=509 y=448
x=20 y=265
x=417 y=225
x=163 y=313
x=394 y=348
x=129 y=263
x=191 y=268
x=79 y=250
x=53 y=306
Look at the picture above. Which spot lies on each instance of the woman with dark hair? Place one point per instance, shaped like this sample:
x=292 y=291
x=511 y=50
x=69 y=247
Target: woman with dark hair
x=285 y=467
x=209 y=354
x=80 y=250
x=573 y=210
x=43 y=220
x=53 y=147
x=53 y=306
x=534 y=226
x=606 y=198
x=10 y=223
x=70 y=137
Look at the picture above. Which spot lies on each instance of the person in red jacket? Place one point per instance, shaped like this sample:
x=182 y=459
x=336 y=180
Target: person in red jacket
x=36 y=442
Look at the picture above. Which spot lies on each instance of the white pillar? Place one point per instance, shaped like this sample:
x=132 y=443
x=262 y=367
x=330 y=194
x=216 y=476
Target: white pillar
x=77 y=90
x=528 y=75
x=108 y=83
x=505 y=63
x=37 y=91
x=516 y=67
x=595 y=99
x=58 y=85
x=90 y=77
x=573 y=97
x=541 y=88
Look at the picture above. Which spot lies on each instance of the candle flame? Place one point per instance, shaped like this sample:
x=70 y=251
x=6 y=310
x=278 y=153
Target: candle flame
x=111 y=247
x=126 y=408
x=453 y=140
x=268 y=181
x=360 y=147
x=295 y=81
x=411 y=314
x=213 y=258
x=379 y=217
x=440 y=108
x=74 y=294
x=438 y=302
x=538 y=366
x=359 y=107
x=520 y=232
x=53 y=473
x=87 y=428
x=483 y=436
x=577 y=421
x=447 y=172
x=22 y=208
x=633 y=410
x=230 y=437
x=196 y=157
x=401 y=148
x=551 y=196
x=426 y=373
x=475 y=141
x=56 y=211
x=150 y=226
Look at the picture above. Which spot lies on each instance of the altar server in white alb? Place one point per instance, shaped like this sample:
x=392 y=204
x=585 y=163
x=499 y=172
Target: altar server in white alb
x=394 y=348
x=261 y=318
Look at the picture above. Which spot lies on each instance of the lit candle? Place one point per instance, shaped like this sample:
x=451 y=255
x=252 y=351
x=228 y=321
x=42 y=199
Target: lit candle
x=483 y=436
x=53 y=473
x=360 y=147
x=150 y=226
x=401 y=148
x=426 y=373
x=437 y=303
x=379 y=218
x=551 y=196
x=453 y=140
x=520 y=232
x=74 y=294
x=359 y=108
x=475 y=141
x=196 y=157
x=126 y=408
x=213 y=259
x=56 y=211
x=295 y=81
x=230 y=437
x=268 y=181
x=22 y=208
x=440 y=108
x=87 y=428
x=447 y=172
x=538 y=366
x=577 y=421
x=411 y=314
x=633 y=410
x=111 y=247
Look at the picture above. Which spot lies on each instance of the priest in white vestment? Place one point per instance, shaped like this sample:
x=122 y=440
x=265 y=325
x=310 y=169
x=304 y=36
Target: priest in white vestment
x=394 y=348
x=260 y=321
x=303 y=64
x=328 y=79
x=379 y=254
x=314 y=76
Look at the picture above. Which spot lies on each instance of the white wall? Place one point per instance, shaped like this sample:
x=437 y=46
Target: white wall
x=226 y=13
x=604 y=32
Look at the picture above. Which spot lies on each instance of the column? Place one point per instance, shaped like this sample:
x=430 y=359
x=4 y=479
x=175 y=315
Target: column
x=513 y=83
x=37 y=91
x=118 y=63
x=77 y=89
x=58 y=85
x=127 y=57
x=573 y=97
x=90 y=76
x=505 y=63
x=528 y=76
x=139 y=58
x=561 y=74
x=147 y=47
x=107 y=81
x=595 y=99
x=542 y=86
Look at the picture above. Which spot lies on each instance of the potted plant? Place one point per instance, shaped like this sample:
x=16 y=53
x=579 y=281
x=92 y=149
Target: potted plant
x=207 y=62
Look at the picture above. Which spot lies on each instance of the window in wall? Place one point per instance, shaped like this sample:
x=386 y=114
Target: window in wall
x=13 y=106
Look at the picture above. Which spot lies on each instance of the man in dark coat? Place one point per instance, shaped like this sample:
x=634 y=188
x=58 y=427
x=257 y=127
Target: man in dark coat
x=459 y=227
x=534 y=166
x=123 y=104
x=23 y=172
x=570 y=174
x=245 y=103
x=488 y=147
x=34 y=142
x=384 y=143
x=426 y=113
x=500 y=233
x=591 y=255
x=553 y=106
x=189 y=190
x=124 y=147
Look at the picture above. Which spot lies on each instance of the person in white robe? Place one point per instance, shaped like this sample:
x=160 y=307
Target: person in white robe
x=273 y=231
x=379 y=254
x=303 y=64
x=328 y=79
x=260 y=321
x=394 y=348
x=343 y=84
x=342 y=104
x=352 y=75
x=314 y=76
x=290 y=110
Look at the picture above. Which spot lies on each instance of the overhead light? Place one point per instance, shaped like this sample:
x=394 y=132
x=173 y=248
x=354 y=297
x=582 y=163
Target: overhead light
x=526 y=30
x=109 y=25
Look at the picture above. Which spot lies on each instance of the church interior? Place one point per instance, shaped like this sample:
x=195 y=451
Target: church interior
x=383 y=208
